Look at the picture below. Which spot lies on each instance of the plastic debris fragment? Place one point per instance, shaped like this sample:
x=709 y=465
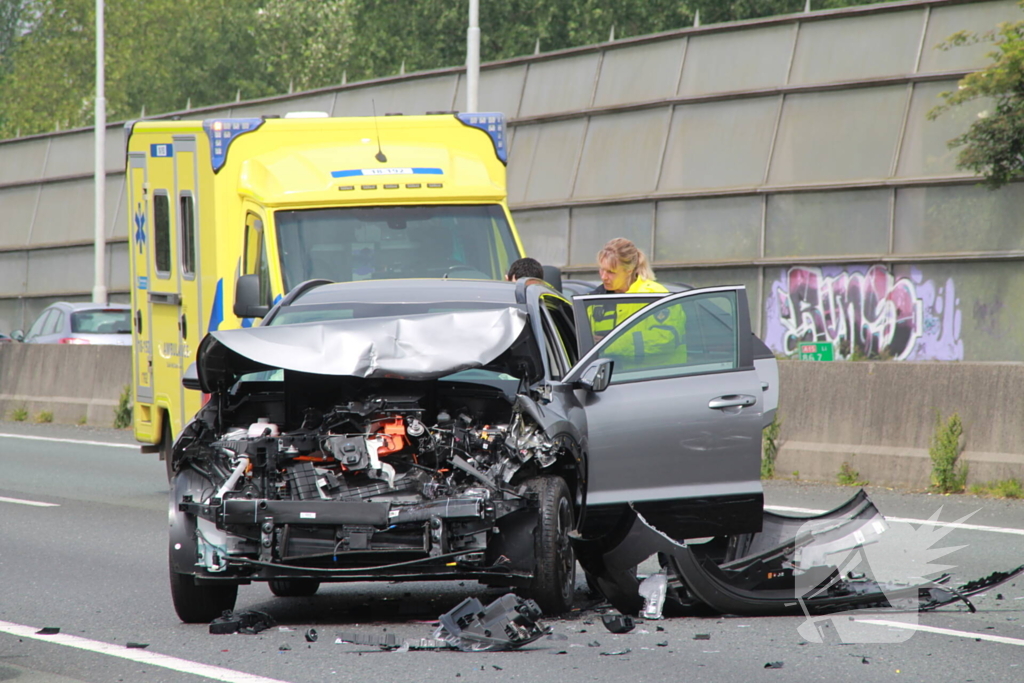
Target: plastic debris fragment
x=248 y=622
x=508 y=623
x=618 y=623
x=773 y=665
x=652 y=590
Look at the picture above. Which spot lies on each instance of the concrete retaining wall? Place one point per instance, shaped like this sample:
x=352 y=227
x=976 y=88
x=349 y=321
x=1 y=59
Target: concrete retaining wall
x=71 y=381
x=877 y=416
x=880 y=418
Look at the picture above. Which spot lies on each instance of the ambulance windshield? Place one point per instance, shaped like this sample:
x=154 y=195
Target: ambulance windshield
x=391 y=242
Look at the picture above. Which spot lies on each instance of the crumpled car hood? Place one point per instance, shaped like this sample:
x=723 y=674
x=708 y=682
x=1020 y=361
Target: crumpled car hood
x=414 y=347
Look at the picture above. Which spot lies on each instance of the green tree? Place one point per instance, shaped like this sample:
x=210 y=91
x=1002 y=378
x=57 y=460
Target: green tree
x=11 y=22
x=163 y=54
x=993 y=146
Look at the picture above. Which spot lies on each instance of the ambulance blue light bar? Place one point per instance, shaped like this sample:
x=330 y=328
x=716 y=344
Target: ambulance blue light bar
x=222 y=132
x=492 y=123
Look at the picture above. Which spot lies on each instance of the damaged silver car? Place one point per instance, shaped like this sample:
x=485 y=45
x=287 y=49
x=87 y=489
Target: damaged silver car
x=447 y=429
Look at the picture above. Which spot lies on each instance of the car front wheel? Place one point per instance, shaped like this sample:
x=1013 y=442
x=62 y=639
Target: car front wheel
x=194 y=603
x=554 y=579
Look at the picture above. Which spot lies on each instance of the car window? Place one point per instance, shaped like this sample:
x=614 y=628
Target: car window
x=555 y=349
x=562 y=320
x=685 y=336
x=292 y=315
x=162 y=232
x=54 y=323
x=37 y=326
x=109 y=321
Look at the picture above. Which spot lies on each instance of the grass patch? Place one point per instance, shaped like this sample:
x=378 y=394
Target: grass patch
x=949 y=473
x=1006 y=488
x=82 y=420
x=848 y=476
x=19 y=414
x=44 y=416
x=123 y=413
x=770 y=447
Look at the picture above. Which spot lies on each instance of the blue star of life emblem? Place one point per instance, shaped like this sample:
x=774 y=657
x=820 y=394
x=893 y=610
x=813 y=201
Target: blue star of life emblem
x=140 y=223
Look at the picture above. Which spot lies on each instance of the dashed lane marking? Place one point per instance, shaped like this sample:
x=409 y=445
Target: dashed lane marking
x=82 y=442
x=33 y=503
x=909 y=520
x=216 y=673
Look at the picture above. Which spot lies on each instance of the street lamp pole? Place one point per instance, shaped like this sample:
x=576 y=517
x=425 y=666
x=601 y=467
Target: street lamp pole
x=473 y=56
x=99 y=288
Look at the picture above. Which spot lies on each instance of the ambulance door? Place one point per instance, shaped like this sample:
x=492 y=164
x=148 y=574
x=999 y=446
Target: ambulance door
x=165 y=285
x=189 y=314
x=142 y=329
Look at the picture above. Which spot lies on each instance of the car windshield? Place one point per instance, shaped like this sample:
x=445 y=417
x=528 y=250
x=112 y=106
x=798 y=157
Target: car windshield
x=389 y=242
x=319 y=313
x=106 y=321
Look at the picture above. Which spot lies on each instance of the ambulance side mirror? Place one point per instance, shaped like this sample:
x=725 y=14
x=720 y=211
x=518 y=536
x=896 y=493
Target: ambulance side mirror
x=247 y=298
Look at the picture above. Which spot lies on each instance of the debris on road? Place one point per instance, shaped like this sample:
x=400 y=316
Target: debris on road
x=618 y=623
x=794 y=566
x=652 y=590
x=136 y=646
x=248 y=622
x=702 y=636
x=507 y=623
x=616 y=653
x=48 y=631
x=773 y=665
x=311 y=635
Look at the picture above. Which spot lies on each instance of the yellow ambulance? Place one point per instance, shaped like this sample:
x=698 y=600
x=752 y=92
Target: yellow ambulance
x=285 y=200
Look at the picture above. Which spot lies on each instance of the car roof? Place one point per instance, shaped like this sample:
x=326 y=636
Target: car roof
x=412 y=291
x=87 y=306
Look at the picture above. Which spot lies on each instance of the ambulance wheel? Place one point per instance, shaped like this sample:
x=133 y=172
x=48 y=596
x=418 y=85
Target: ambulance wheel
x=554 y=577
x=167 y=447
x=294 y=588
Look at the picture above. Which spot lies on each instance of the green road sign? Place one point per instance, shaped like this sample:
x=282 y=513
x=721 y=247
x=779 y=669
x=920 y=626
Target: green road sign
x=817 y=351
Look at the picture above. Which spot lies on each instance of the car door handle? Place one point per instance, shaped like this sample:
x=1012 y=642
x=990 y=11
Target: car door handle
x=732 y=401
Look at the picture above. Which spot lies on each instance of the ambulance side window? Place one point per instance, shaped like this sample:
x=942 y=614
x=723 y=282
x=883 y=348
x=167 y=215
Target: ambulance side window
x=188 y=235
x=256 y=256
x=162 y=232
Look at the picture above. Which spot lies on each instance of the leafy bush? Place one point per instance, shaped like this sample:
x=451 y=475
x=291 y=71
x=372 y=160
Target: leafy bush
x=123 y=413
x=770 y=447
x=1006 y=488
x=949 y=473
x=849 y=477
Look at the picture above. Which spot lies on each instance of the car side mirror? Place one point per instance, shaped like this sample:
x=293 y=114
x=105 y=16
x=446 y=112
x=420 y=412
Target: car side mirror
x=190 y=380
x=18 y=335
x=597 y=376
x=247 y=298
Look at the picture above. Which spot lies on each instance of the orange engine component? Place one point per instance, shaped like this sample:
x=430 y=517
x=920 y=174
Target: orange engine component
x=392 y=431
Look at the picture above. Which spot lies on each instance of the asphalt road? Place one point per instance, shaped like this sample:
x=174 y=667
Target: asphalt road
x=92 y=561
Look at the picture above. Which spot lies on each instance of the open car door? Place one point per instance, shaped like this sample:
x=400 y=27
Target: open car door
x=677 y=432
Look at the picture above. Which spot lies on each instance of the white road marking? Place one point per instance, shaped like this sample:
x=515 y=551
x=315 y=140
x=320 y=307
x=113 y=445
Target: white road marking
x=909 y=520
x=33 y=503
x=76 y=441
x=943 y=631
x=217 y=673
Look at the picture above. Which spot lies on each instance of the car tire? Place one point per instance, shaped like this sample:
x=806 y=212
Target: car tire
x=167 y=447
x=554 y=577
x=294 y=588
x=194 y=603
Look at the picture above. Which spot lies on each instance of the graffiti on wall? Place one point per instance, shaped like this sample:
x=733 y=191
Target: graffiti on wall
x=866 y=312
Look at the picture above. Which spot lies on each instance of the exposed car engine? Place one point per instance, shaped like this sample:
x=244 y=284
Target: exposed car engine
x=404 y=475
